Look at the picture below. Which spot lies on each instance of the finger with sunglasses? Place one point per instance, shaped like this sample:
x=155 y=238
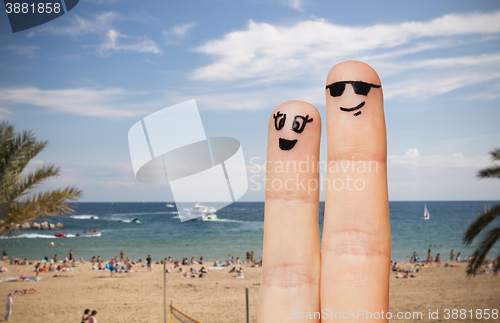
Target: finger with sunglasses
x=351 y=271
x=356 y=245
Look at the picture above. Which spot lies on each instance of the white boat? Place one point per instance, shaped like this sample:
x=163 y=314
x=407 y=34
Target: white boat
x=209 y=217
x=426 y=215
x=89 y=233
x=206 y=213
x=169 y=205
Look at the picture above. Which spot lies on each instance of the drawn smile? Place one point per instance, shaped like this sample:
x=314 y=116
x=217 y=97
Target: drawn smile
x=287 y=144
x=359 y=106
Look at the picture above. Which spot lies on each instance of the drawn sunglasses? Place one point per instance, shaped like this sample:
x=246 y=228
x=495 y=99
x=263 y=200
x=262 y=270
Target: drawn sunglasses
x=360 y=88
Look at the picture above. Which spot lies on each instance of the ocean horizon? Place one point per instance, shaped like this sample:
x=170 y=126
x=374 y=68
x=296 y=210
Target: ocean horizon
x=238 y=229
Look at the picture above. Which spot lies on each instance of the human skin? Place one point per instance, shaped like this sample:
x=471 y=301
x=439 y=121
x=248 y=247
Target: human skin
x=351 y=270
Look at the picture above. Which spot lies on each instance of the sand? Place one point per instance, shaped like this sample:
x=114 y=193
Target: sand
x=219 y=297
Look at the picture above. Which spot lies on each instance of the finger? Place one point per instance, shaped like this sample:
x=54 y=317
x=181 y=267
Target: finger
x=356 y=246
x=291 y=259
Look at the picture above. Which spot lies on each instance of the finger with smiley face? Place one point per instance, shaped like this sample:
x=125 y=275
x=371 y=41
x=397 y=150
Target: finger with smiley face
x=291 y=213
x=297 y=125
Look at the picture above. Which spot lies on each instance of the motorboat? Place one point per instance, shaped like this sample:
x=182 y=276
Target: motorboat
x=87 y=233
x=204 y=213
x=209 y=217
x=60 y=235
x=135 y=220
x=426 y=215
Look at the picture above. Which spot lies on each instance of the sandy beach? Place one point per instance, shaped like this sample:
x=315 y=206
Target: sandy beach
x=219 y=297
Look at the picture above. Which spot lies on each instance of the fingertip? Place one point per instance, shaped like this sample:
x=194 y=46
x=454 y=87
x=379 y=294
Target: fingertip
x=353 y=70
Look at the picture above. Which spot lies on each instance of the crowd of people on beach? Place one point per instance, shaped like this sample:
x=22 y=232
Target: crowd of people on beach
x=418 y=265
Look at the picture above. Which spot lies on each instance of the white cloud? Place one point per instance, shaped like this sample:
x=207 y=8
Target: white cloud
x=118 y=42
x=108 y=103
x=174 y=35
x=295 y=4
x=28 y=51
x=412 y=152
x=102 y=24
x=78 y=26
x=439 y=177
x=412 y=159
x=303 y=51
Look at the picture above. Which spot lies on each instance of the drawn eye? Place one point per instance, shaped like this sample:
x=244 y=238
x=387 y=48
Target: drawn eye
x=279 y=120
x=300 y=122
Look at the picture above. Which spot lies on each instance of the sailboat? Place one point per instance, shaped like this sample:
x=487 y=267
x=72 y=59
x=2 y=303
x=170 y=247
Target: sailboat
x=426 y=215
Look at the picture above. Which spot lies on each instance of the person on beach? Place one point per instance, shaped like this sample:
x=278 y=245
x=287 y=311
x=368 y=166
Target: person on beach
x=452 y=255
x=91 y=318
x=122 y=256
x=251 y=256
x=85 y=316
x=4 y=256
x=148 y=259
x=112 y=267
x=9 y=306
x=37 y=269
x=129 y=267
x=201 y=261
x=70 y=258
x=429 y=256
x=55 y=259
x=248 y=257
x=458 y=257
x=98 y=258
x=438 y=260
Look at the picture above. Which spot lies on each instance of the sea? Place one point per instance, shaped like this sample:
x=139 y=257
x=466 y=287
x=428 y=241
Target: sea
x=239 y=229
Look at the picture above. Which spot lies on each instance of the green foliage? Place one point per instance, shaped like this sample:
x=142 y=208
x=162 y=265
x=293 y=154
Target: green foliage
x=481 y=223
x=18 y=202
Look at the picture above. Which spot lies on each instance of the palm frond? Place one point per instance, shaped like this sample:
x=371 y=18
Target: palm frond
x=493 y=171
x=484 y=247
x=17 y=203
x=39 y=206
x=480 y=223
x=495 y=154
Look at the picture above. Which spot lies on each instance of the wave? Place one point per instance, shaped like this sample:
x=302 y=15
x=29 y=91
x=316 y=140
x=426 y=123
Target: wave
x=46 y=236
x=29 y=236
x=228 y=220
x=84 y=217
x=143 y=213
x=119 y=220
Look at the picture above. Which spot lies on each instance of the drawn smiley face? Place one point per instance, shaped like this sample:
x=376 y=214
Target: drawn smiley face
x=360 y=88
x=298 y=125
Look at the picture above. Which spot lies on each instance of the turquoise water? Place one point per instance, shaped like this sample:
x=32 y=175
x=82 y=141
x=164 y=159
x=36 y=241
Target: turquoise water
x=238 y=230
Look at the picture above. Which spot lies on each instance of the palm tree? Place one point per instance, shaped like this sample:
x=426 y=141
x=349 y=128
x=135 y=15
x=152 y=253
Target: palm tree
x=18 y=202
x=482 y=222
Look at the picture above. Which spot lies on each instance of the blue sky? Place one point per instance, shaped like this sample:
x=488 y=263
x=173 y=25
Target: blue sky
x=81 y=81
